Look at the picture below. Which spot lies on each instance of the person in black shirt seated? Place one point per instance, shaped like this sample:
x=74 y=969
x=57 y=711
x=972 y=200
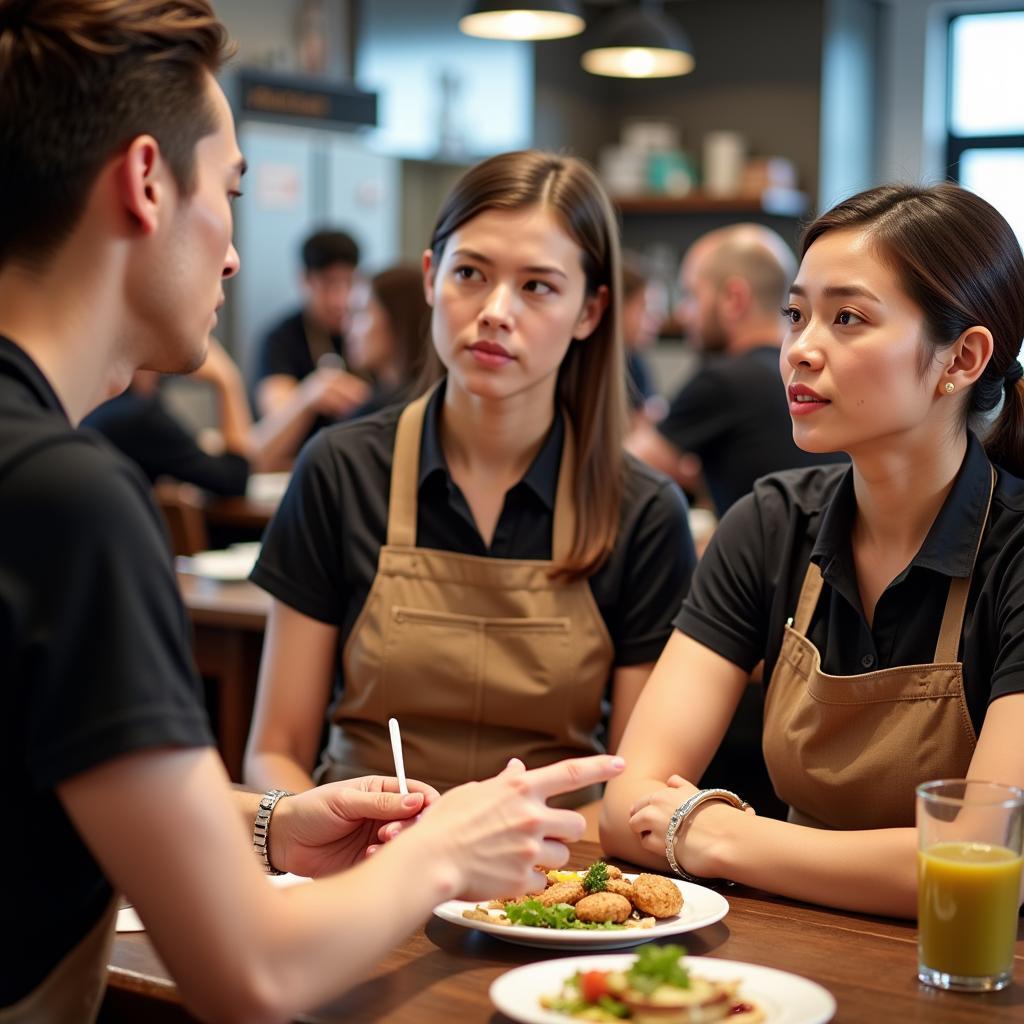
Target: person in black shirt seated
x=729 y=424
x=112 y=254
x=141 y=425
x=302 y=383
x=483 y=562
x=387 y=338
x=886 y=598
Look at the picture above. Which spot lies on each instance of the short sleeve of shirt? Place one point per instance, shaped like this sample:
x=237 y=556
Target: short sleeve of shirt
x=699 y=412
x=659 y=560
x=726 y=609
x=300 y=562
x=96 y=624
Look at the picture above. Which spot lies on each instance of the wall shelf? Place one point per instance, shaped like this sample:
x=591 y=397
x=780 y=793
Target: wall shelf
x=779 y=202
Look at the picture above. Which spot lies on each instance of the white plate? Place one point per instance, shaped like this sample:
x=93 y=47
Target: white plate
x=229 y=565
x=267 y=488
x=785 y=998
x=701 y=907
x=129 y=921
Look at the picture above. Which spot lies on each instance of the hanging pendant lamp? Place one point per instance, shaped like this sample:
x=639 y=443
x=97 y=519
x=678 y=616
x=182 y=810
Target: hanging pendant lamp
x=523 y=19
x=639 y=42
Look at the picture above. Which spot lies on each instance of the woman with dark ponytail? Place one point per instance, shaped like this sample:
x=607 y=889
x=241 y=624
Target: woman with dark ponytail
x=886 y=598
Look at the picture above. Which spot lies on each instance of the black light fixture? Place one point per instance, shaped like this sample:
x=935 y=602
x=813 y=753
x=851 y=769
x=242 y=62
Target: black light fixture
x=523 y=19
x=639 y=42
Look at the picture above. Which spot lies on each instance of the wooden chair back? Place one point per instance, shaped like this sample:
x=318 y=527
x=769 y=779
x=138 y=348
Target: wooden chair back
x=183 y=509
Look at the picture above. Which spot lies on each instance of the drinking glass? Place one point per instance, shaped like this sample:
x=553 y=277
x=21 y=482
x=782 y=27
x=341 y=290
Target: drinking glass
x=970 y=838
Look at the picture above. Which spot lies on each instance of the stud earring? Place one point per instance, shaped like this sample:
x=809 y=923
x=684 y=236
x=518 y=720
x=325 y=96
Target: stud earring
x=949 y=386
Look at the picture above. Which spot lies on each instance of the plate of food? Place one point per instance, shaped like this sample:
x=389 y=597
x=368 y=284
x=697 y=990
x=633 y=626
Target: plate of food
x=599 y=908
x=659 y=983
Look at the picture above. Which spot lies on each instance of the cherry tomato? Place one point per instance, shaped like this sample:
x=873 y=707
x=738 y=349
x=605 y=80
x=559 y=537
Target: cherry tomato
x=593 y=985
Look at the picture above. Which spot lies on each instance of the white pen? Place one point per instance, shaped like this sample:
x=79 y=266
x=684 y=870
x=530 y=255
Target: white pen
x=396 y=750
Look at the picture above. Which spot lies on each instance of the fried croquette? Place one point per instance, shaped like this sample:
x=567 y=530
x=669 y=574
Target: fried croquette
x=603 y=906
x=613 y=871
x=657 y=896
x=562 y=892
x=621 y=887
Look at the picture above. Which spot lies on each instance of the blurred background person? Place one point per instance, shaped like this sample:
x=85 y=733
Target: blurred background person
x=729 y=424
x=301 y=378
x=644 y=305
x=388 y=334
x=140 y=423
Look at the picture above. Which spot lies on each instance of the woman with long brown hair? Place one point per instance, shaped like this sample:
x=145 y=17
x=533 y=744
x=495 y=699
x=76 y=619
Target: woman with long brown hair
x=484 y=564
x=886 y=598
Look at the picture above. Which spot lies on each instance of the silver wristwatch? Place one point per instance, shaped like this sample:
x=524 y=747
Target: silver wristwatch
x=261 y=828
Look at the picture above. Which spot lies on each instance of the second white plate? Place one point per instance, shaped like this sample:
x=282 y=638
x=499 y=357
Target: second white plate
x=701 y=906
x=785 y=998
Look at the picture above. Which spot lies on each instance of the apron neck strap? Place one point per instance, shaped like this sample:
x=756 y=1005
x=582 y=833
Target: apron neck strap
x=808 y=601
x=405 y=471
x=405 y=474
x=956 y=601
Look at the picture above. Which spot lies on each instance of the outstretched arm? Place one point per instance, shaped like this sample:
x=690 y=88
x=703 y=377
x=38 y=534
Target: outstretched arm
x=243 y=950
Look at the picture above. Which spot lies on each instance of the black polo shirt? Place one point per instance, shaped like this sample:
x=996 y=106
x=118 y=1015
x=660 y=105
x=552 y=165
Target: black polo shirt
x=94 y=657
x=750 y=577
x=143 y=428
x=285 y=349
x=734 y=414
x=320 y=552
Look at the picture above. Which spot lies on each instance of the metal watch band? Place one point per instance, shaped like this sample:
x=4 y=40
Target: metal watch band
x=261 y=828
x=682 y=812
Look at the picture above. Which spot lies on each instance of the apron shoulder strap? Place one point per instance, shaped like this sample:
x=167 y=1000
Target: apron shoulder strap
x=948 y=644
x=405 y=471
x=810 y=591
x=564 y=529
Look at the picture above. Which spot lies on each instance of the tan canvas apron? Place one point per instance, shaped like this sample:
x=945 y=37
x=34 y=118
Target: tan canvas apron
x=846 y=752
x=73 y=991
x=481 y=659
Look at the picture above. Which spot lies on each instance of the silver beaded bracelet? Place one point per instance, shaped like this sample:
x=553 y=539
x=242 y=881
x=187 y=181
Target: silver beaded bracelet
x=261 y=828
x=682 y=812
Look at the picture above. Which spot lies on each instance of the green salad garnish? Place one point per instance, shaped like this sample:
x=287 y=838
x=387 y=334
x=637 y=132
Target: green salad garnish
x=658 y=965
x=561 y=915
x=596 y=878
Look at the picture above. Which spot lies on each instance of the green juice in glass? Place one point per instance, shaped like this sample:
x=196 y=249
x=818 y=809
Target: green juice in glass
x=967 y=901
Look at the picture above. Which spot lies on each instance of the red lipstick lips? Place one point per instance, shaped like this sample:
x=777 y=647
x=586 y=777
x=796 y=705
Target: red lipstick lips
x=804 y=400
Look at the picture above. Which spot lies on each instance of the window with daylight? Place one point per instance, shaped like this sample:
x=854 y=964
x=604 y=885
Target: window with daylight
x=985 y=149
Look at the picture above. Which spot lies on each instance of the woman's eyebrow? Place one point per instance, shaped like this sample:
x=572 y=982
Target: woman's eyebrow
x=839 y=291
x=487 y=261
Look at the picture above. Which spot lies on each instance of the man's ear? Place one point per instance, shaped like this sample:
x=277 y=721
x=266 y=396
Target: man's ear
x=735 y=298
x=590 y=316
x=142 y=183
x=429 y=276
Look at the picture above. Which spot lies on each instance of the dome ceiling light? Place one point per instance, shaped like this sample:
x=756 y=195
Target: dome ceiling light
x=523 y=19
x=639 y=42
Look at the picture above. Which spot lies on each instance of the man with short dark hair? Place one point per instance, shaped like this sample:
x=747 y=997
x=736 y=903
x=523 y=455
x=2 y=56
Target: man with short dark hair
x=729 y=424
x=301 y=380
x=118 y=164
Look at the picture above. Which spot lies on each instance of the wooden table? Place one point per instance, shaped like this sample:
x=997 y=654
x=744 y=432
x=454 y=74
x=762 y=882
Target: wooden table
x=442 y=972
x=228 y=621
x=241 y=512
